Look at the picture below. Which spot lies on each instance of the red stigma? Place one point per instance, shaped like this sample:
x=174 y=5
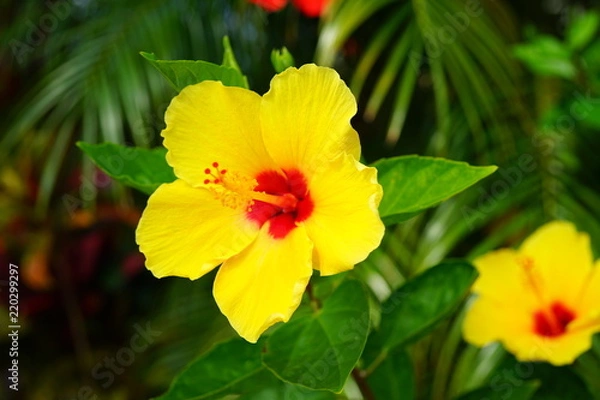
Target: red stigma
x=215 y=164
x=292 y=186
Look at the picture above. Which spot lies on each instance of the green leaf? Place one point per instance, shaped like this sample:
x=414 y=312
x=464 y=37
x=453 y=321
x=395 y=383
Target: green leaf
x=282 y=59
x=284 y=390
x=394 y=64
x=537 y=381
x=558 y=383
x=320 y=350
x=411 y=184
x=139 y=168
x=508 y=391
x=546 y=55
x=181 y=73
x=403 y=97
x=232 y=367
x=394 y=378
x=586 y=109
x=582 y=30
x=417 y=306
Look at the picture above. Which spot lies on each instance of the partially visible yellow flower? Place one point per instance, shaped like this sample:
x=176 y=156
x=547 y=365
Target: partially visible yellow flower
x=270 y=187
x=542 y=302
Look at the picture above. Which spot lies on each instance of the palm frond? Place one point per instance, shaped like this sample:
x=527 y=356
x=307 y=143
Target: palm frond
x=462 y=51
x=95 y=84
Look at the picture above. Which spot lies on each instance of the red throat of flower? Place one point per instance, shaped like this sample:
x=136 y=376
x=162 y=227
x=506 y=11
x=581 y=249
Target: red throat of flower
x=548 y=321
x=281 y=199
x=553 y=321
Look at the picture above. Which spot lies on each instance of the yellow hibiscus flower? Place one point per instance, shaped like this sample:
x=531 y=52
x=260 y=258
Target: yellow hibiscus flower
x=542 y=302
x=269 y=187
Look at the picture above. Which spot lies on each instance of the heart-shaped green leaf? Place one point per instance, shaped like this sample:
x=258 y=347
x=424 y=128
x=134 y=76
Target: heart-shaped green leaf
x=320 y=350
x=394 y=378
x=508 y=391
x=417 y=306
x=181 y=73
x=287 y=391
x=232 y=367
x=139 y=168
x=411 y=184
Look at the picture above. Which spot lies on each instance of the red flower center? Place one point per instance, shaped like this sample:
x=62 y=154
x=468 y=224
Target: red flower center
x=553 y=322
x=287 y=201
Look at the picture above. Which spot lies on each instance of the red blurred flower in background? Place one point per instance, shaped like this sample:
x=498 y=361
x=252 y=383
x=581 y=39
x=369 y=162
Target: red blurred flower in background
x=310 y=8
x=270 y=5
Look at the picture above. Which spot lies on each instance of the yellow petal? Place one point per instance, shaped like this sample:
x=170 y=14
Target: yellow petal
x=185 y=232
x=589 y=305
x=344 y=225
x=561 y=350
x=563 y=259
x=503 y=279
x=489 y=320
x=553 y=266
x=208 y=123
x=264 y=284
x=306 y=118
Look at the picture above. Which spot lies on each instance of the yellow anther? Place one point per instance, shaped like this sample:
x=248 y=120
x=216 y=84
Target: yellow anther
x=232 y=189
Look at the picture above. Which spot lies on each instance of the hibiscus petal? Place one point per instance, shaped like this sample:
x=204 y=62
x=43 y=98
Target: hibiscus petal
x=306 y=118
x=270 y=5
x=561 y=350
x=264 y=284
x=311 y=8
x=489 y=320
x=588 y=306
x=562 y=257
x=185 y=232
x=208 y=123
x=344 y=225
x=502 y=278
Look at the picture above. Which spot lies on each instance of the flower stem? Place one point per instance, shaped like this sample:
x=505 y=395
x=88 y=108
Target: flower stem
x=359 y=377
x=378 y=360
x=314 y=302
